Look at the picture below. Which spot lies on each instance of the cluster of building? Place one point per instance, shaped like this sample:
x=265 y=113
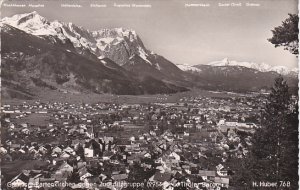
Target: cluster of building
x=189 y=144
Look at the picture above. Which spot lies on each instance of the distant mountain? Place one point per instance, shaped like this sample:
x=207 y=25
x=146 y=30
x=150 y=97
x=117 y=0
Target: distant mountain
x=123 y=46
x=262 y=67
x=238 y=76
x=186 y=67
x=33 y=63
x=117 y=44
x=40 y=55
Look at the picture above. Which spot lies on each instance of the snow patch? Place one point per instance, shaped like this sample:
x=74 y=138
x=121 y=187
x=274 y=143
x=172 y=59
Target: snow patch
x=186 y=67
x=158 y=66
x=143 y=55
x=262 y=67
x=98 y=42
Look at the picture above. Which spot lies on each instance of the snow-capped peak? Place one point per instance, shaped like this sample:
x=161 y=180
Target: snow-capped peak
x=125 y=32
x=262 y=67
x=186 y=67
x=296 y=70
x=29 y=22
x=102 y=42
x=281 y=70
x=17 y=17
x=116 y=33
x=223 y=62
x=35 y=24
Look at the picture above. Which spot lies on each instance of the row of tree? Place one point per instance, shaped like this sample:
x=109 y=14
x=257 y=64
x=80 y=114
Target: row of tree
x=273 y=156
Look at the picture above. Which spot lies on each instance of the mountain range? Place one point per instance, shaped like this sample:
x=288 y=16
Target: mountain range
x=62 y=56
x=123 y=46
x=239 y=76
x=262 y=67
x=40 y=55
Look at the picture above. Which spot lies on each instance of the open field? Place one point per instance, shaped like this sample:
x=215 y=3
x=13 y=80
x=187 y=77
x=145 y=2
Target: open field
x=54 y=96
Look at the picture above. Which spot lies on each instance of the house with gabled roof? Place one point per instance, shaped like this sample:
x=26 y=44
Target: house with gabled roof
x=222 y=181
x=146 y=154
x=84 y=173
x=65 y=155
x=63 y=171
x=88 y=152
x=43 y=149
x=76 y=142
x=6 y=157
x=161 y=177
x=205 y=174
x=174 y=155
x=81 y=164
x=93 y=180
x=119 y=177
x=20 y=181
x=3 y=150
x=162 y=146
x=69 y=150
x=56 y=149
x=65 y=166
x=134 y=158
x=102 y=177
x=107 y=155
x=167 y=185
x=90 y=132
x=33 y=182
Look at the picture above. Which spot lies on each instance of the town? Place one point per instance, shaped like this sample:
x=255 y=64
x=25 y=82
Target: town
x=193 y=144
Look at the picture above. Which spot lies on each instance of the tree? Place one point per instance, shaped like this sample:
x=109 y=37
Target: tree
x=274 y=154
x=286 y=35
x=80 y=151
x=275 y=145
x=74 y=177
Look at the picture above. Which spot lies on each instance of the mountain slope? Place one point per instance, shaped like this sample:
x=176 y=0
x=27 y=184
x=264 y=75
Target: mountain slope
x=236 y=78
x=262 y=67
x=122 y=46
x=39 y=54
x=34 y=63
x=188 y=68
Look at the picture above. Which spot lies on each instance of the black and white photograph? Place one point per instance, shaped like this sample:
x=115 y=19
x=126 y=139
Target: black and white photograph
x=149 y=95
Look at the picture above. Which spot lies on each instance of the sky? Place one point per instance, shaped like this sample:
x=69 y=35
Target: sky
x=195 y=35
